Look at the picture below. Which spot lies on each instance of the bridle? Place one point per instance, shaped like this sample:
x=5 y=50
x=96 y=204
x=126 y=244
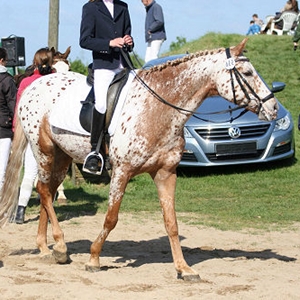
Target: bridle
x=230 y=65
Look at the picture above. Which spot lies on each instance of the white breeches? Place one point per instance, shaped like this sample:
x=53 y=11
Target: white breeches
x=153 y=49
x=102 y=80
x=30 y=173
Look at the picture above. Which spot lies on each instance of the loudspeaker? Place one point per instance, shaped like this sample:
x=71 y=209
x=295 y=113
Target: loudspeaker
x=15 y=48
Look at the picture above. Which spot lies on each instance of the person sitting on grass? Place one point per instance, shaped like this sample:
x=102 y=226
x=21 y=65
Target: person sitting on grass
x=253 y=29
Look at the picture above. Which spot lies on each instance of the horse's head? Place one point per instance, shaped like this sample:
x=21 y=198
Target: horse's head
x=242 y=85
x=60 y=62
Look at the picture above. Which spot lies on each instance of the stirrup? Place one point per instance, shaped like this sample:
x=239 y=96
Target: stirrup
x=99 y=157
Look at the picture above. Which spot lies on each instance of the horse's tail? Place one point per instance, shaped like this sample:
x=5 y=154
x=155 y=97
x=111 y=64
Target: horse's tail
x=10 y=189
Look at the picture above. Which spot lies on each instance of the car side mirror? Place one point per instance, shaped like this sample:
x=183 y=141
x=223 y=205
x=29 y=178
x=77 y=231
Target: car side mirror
x=277 y=86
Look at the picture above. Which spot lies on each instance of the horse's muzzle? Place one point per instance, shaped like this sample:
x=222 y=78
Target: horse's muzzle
x=269 y=110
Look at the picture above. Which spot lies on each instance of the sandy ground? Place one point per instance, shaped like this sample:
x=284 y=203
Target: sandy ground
x=137 y=264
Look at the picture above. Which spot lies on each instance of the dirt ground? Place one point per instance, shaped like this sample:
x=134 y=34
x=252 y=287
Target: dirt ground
x=136 y=262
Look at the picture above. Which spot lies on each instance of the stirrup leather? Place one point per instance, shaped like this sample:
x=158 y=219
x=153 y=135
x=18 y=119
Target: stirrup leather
x=99 y=157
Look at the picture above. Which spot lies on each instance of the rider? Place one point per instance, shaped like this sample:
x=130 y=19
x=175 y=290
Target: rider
x=105 y=29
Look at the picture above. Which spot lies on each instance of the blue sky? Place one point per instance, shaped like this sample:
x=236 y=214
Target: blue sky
x=189 y=18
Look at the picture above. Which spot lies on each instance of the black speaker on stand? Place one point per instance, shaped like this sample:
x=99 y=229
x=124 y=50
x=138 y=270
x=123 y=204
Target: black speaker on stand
x=15 y=47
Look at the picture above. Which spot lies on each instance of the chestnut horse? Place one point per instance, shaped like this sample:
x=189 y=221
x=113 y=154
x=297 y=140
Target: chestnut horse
x=148 y=137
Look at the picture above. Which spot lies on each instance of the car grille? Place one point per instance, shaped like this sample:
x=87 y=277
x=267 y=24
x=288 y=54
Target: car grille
x=234 y=156
x=246 y=152
x=222 y=133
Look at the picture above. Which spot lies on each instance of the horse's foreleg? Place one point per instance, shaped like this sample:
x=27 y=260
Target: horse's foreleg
x=110 y=223
x=117 y=188
x=166 y=182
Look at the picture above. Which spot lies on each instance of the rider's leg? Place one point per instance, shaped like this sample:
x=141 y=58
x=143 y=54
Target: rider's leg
x=102 y=80
x=93 y=163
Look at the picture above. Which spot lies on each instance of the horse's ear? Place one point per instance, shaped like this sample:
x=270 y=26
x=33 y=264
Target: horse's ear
x=66 y=54
x=238 y=50
x=53 y=50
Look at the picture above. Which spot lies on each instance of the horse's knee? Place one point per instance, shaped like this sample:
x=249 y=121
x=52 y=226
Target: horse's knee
x=110 y=223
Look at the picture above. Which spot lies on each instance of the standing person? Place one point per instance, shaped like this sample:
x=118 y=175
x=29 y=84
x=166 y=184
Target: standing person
x=42 y=65
x=105 y=29
x=8 y=92
x=155 y=33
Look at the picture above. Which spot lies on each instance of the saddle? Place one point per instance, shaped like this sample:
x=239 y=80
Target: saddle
x=113 y=95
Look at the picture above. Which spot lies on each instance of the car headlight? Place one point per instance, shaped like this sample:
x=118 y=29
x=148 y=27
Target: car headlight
x=283 y=123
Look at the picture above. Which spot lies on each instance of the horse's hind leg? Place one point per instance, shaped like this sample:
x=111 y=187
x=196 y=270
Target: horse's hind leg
x=117 y=187
x=166 y=182
x=47 y=189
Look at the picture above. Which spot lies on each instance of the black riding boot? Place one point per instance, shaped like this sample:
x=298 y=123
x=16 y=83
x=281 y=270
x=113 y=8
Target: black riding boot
x=93 y=163
x=20 y=215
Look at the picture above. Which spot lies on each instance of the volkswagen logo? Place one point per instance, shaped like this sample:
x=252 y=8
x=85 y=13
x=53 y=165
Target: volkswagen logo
x=234 y=132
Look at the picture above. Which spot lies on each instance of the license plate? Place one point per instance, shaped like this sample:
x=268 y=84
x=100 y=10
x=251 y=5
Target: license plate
x=238 y=148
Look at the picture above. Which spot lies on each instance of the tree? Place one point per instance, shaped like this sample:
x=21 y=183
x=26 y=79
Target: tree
x=78 y=66
x=177 y=45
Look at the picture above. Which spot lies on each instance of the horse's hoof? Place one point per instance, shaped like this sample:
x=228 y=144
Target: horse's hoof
x=191 y=278
x=92 y=269
x=48 y=258
x=60 y=257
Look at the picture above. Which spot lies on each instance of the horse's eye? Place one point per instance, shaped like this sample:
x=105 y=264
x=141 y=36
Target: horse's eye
x=248 y=73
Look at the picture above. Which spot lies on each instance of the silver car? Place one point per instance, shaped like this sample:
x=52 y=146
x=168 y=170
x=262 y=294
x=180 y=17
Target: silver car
x=223 y=135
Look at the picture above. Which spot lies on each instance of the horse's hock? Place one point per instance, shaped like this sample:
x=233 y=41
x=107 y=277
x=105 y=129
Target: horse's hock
x=78 y=176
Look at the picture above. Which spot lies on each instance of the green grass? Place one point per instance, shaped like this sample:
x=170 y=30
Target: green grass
x=238 y=197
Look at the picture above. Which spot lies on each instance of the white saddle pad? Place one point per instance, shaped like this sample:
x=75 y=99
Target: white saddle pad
x=65 y=114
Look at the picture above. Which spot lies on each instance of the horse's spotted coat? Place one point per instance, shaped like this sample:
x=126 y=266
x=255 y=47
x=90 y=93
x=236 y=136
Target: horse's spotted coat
x=148 y=137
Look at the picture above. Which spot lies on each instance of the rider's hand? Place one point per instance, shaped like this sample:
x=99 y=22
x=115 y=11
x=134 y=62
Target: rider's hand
x=128 y=40
x=117 y=42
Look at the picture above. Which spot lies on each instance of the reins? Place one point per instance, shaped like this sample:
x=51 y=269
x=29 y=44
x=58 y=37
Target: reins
x=230 y=65
x=194 y=113
x=149 y=89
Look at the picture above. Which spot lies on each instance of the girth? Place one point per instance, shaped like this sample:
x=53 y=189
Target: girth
x=113 y=94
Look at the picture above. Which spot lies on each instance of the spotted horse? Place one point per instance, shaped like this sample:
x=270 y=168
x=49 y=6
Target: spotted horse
x=148 y=136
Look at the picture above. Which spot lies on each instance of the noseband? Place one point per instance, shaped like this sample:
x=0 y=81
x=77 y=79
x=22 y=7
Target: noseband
x=230 y=65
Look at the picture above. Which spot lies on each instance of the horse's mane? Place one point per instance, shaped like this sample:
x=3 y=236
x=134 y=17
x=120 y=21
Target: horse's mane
x=184 y=59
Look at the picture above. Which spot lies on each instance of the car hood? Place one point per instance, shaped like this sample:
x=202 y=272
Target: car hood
x=216 y=109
